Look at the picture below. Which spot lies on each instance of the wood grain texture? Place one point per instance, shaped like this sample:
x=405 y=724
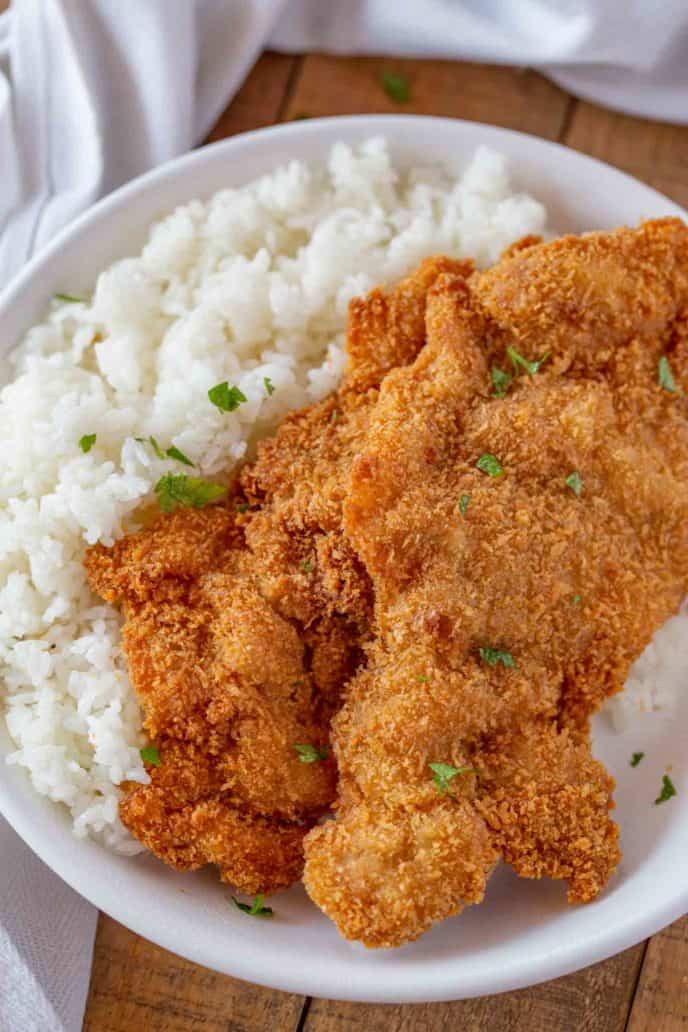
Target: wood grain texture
x=260 y=100
x=652 y=151
x=138 y=987
x=593 y=1000
x=661 y=999
x=482 y=93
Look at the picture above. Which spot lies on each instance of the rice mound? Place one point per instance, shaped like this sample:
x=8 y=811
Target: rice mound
x=252 y=283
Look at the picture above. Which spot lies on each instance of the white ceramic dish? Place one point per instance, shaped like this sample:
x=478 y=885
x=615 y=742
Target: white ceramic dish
x=524 y=932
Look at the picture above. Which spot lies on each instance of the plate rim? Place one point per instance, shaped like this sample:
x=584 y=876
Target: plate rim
x=399 y=987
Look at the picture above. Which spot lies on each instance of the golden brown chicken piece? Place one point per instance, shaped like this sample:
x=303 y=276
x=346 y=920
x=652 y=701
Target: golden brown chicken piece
x=241 y=628
x=304 y=562
x=512 y=592
x=226 y=693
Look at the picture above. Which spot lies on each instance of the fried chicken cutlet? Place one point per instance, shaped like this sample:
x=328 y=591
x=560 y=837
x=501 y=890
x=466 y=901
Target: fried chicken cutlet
x=523 y=545
x=241 y=628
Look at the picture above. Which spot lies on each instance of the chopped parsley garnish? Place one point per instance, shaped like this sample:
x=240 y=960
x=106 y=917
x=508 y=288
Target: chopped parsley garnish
x=156 y=448
x=464 y=502
x=306 y=566
x=269 y=386
x=422 y=678
x=396 y=87
x=636 y=758
x=576 y=600
x=334 y=416
x=87 y=442
x=574 y=481
x=256 y=909
x=665 y=376
x=667 y=792
x=490 y=464
x=442 y=774
x=70 y=299
x=310 y=754
x=241 y=507
x=530 y=367
x=500 y=381
x=226 y=398
x=179 y=489
x=151 y=756
x=174 y=453
x=494 y=656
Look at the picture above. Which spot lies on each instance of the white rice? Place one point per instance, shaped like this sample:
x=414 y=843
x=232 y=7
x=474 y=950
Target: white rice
x=657 y=676
x=252 y=283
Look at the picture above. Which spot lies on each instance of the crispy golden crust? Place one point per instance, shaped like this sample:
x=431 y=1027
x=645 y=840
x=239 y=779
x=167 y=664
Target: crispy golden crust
x=582 y=296
x=226 y=692
x=242 y=628
x=573 y=587
x=355 y=561
x=302 y=558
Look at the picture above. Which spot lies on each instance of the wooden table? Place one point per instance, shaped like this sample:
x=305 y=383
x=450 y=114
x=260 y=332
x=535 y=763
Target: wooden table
x=136 y=986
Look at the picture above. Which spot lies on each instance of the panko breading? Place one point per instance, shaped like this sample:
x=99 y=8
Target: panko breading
x=302 y=558
x=478 y=557
x=564 y=582
x=226 y=693
x=241 y=628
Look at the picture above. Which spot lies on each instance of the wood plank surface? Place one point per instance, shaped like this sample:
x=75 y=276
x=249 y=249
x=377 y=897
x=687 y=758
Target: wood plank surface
x=593 y=1000
x=661 y=998
x=652 y=151
x=482 y=93
x=260 y=100
x=137 y=985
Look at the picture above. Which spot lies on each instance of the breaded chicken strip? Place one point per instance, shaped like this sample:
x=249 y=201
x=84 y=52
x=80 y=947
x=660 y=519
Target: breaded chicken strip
x=304 y=562
x=226 y=693
x=523 y=549
x=241 y=628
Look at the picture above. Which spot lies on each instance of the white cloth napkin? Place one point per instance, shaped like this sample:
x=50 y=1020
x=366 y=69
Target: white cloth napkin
x=46 y=944
x=94 y=92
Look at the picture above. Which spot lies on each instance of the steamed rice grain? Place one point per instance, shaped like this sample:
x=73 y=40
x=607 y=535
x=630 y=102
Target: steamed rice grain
x=252 y=283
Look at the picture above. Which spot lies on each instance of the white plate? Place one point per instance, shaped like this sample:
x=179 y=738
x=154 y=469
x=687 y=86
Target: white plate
x=524 y=932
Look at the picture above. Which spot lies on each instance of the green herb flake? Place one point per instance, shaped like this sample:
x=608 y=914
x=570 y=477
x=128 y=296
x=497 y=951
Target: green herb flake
x=396 y=87
x=300 y=116
x=530 y=367
x=179 y=489
x=576 y=600
x=86 y=442
x=334 y=416
x=665 y=377
x=174 y=453
x=255 y=909
x=494 y=656
x=464 y=502
x=442 y=774
x=70 y=299
x=490 y=464
x=574 y=481
x=500 y=381
x=636 y=758
x=241 y=507
x=306 y=566
x=156 y=448
x=310 y=754
x=226 y=398
x=151 y=756
x=422 y=678
x=667 y=792
x=269 y=386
